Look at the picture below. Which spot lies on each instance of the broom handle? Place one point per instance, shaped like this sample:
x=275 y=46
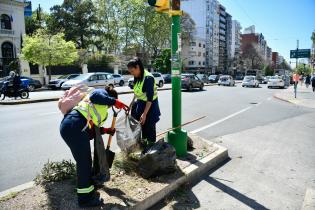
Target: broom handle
x=112 y=127
x=171 y=129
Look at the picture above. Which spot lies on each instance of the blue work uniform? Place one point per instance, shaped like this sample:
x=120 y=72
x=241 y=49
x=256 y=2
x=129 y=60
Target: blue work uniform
x=78 y=141
x=153 y=116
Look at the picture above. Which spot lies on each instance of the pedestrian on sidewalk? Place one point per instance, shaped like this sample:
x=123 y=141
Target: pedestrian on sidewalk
x=145 y=104
x=307 y=80
x=313 y=82
x=77 y=128
x=301 y=79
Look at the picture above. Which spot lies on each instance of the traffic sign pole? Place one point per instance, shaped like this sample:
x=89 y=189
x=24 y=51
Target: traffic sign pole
x=178 y=137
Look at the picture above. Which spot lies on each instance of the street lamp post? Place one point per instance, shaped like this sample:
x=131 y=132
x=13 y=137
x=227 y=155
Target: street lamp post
x=177 y=137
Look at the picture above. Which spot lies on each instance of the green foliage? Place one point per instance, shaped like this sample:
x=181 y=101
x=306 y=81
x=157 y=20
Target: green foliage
x=36 y=21
x=313 y=37
x=268 y=70
x=75 y=19
x=56 y=171
x=163 y=62
x=303 y=69
x=99 y=60
x=48 y=50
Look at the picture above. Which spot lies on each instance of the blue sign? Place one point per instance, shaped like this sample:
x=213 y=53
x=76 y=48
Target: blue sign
x=28 y=9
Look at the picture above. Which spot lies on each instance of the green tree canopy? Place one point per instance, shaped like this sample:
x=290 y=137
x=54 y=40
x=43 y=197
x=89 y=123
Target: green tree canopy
x=76 y=19
x=303 y=69
x=163 y=62
x=48 y=50
x=268 y=70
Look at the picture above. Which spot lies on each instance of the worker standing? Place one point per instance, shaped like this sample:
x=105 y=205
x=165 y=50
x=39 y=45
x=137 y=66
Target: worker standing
x=145 y=105
x=76 y=129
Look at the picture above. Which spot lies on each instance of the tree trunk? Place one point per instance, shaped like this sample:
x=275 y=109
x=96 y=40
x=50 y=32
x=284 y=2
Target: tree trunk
x=49 y=73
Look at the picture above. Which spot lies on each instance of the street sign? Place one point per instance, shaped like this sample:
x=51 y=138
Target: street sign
x=300 y=53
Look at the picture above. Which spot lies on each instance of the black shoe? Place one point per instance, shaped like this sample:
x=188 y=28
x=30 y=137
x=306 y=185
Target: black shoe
x=91 y=199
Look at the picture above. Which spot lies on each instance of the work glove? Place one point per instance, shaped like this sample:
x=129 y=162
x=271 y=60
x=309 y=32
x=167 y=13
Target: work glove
x=110 y=131
x=120 y=105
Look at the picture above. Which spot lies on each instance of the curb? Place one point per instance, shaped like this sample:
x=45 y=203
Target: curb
x=282 y=99
x=309 y=199
x=16 y=189
x=191 y=173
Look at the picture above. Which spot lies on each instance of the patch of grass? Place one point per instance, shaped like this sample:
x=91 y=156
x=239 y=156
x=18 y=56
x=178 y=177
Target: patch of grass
x=125 y=163
x=56 y=171
x=9 y=196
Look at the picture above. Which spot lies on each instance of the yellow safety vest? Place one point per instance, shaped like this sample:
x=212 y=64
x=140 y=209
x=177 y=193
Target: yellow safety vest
x=139 y=85
x=95 y=112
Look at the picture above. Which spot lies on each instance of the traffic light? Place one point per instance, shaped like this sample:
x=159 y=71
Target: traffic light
x=161 y=5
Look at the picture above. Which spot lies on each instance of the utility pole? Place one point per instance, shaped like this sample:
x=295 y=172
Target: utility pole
x=178 y=137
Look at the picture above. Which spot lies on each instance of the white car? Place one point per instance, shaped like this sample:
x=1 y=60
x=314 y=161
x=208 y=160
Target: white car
x=159 y=80
x=226 y=80
x=276 y=81
x=250 y=81
x=119 y=79
x=98 y=79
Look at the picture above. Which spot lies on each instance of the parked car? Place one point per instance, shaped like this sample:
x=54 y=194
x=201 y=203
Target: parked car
x=226 y=80
x=159 y=81
x=239 y=77
x=266 y=79
x=57 y=83
x=190 y=81
x=203 y=78
x=98 y=79
x=250 y=81
x=32 y=83
x=167 y=78
x=213 y=78
x=276 y=81
x=119 y=79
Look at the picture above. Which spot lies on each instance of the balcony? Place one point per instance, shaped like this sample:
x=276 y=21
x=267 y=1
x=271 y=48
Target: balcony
x=222 y=20
x=6 y=32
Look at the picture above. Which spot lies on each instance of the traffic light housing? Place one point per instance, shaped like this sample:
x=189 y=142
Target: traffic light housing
x=161 y=5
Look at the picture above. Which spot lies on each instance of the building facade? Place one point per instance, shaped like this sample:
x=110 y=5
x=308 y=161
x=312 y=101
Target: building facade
x=236 y=44
x=194 y=55
x=11 y=33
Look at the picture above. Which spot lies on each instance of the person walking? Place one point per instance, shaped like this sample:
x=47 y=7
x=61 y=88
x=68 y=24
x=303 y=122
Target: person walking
x=313 y=82
x=307 y=80
x=76 y=129
x=145 y=105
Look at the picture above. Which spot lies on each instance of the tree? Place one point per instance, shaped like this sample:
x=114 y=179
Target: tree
x=303 y=69
x=313 y=37
x=48 y=50
x=163 y=62
x=268 y=70
x=76 y=19
x=252 y=57
x=36 y=21
x=188 y=27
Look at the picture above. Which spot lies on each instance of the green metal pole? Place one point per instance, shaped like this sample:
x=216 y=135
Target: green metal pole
x=178 y=137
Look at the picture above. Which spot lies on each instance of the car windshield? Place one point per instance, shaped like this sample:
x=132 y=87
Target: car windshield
x=63 y=77
x=248 y=78
x=82 y=77
x=275 y=77
x=213 y=76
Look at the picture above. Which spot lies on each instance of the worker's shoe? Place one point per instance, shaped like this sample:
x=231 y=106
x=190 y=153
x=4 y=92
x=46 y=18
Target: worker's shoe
x=91 y=199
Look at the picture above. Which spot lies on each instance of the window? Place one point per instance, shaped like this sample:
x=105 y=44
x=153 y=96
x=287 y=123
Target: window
x=109 y=76
x=7 y=50
x=203 y=63
x=204 y=46
x=6 y=22
x=199 y=63
x=191 y=63
x=116 y=76
x=199 y=54
x=93 y=78
x=199 y=44
x=156 y=75
x=193 y=44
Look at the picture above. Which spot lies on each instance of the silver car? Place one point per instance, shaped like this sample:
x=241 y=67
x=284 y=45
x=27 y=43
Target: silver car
x=119 y=79
x=226 y=80
x=250 y=81
x=98 y=79
x=276 y=81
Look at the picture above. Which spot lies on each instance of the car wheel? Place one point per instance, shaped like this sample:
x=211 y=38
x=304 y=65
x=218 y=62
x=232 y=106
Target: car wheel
x=201 y=87
x=24 y=95
x=31 y=88
x=2 y=96
x=190 y=87
x=161 y=84
x=60 y=85
x=121 y=83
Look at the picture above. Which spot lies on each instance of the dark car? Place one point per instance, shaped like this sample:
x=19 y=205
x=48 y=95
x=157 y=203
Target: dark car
x=191 y=81
x=57 y=83
x=213 y=78
x=203 y=77
x=32 y=83
x=167 y=78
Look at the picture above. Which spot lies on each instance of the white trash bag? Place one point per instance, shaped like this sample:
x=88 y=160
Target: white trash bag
x=128 y=133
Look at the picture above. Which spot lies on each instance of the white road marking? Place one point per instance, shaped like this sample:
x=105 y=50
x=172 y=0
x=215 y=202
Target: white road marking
x=48 y=113
x=221 y=120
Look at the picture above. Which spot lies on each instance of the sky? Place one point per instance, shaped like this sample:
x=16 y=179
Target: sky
x=282 y=22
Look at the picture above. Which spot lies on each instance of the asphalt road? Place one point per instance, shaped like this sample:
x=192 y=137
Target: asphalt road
x=30 y=137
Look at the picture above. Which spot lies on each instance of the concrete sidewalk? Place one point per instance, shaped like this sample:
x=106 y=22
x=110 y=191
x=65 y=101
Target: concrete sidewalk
x=305 y=96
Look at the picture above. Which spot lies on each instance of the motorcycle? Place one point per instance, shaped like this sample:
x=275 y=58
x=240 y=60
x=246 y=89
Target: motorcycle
x=9 y=92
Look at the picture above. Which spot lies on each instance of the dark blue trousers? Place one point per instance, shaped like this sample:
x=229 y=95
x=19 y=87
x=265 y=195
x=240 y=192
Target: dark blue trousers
x=79 y=144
